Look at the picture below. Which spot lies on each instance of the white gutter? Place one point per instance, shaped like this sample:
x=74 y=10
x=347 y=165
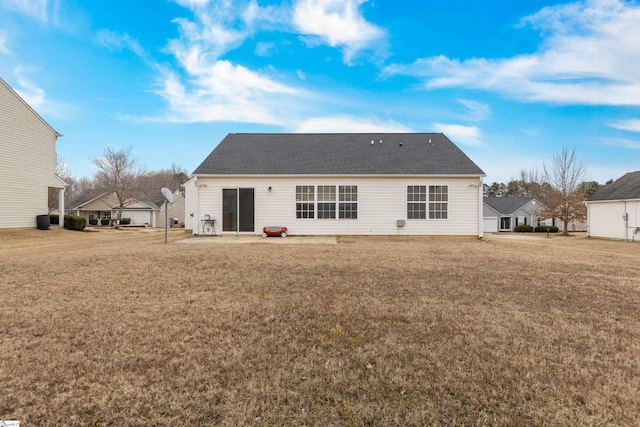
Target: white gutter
x=194 y=224
x=480 y=209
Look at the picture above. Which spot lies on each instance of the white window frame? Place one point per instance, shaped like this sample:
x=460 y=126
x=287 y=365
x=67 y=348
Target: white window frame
x=305 y=202
x=438 y=202
x=428 y=202
x=416 y=202
x=327 y=202
x=347 y=202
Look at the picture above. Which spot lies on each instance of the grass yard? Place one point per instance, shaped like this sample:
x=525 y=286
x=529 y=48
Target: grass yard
x=117 y=328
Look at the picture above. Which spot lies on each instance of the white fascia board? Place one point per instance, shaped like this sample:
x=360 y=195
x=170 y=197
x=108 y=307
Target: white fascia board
x=201 y=176
x=586 y=202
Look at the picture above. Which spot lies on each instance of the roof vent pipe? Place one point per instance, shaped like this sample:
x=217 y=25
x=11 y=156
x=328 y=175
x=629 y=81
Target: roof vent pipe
x=380 y=141
x=372 y=142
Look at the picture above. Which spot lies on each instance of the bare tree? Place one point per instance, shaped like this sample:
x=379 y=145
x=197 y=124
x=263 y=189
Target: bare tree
x=171 y=178
x=118 y=172
x=566 y=200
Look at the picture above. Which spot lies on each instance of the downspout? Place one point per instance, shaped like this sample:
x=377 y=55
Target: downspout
x=194 y=224
x=61 y=206
x=480 y=210
x=625 y=216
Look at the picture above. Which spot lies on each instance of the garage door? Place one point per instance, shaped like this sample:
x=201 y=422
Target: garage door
x=138 y=217
x=490 y=224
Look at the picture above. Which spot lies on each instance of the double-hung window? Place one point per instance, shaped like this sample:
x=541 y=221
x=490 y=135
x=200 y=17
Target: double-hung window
x=327 y=202
x=436 y=200
x=417 y=202
x=348 y=206
x=305 y=202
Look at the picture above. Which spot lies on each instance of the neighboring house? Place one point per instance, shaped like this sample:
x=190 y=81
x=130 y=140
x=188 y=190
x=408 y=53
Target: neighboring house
x=505 y=213
x=573 y=225
x=614 y=211
x=337 y=184
x=27 y=162
x=147 y=210
x=175 y=212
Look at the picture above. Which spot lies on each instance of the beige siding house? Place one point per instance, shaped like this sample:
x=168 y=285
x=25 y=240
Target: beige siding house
x=27 y=162
x=614 y=211
x=506 y=213
x=336 y=184
x=145 y=210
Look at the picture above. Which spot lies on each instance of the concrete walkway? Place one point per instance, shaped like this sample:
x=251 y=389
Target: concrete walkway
x=244 y=239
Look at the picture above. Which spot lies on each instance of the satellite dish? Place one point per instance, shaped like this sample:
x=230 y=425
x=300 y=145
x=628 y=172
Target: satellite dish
x=167 y=194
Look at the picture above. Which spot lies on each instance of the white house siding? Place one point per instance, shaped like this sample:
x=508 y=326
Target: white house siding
x=189 y=204
x=27 y=162
x=605 y=219
x=381 y=202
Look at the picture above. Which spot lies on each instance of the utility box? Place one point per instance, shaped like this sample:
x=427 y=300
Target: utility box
x=400 y=223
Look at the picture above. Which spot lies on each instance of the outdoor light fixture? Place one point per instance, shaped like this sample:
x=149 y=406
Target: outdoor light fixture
x=269 y=189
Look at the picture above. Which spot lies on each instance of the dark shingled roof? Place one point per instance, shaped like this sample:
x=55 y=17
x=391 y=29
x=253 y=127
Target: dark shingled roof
x=624 y=188
x=507 y=205
x=337 y=154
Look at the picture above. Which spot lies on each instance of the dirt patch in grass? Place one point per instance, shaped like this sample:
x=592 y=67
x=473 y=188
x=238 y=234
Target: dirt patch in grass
x=122 y=329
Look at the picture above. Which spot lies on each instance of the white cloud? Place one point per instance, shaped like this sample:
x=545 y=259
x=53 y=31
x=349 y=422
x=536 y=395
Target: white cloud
x=623 y=142
x=264 y=48
x=349 y=124
x=36 y=97
x=225 y=92
x=29 y=91
x=337 y=23
x=3 y=44
x=468 y=135
x=220 y=26
x=589 y=55
x=476 y=111
x=42 y=10
x=118 y=41
x=632 y=125
x=209 y=88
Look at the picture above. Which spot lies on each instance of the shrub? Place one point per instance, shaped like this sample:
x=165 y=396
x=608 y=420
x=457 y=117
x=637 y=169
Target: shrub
x=523 y=228
x=545 y=228
x=93 y=222
x=73 y=222
x=104 y=221
x=54 y=219
x=125 y=221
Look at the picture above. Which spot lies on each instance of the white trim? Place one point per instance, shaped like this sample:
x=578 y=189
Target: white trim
x=399 y=175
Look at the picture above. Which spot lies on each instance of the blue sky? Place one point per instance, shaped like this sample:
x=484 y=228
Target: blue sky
x=510 y=82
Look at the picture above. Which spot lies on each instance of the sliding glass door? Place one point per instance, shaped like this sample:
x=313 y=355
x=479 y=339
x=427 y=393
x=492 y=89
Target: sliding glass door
x=238 y=209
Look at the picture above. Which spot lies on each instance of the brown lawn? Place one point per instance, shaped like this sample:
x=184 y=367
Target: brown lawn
x=117 y=328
